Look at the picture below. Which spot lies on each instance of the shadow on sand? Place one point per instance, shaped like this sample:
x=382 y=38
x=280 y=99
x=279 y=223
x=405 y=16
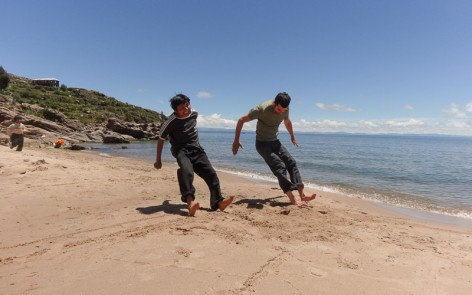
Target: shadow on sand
x=259 y=203
x=167 y=207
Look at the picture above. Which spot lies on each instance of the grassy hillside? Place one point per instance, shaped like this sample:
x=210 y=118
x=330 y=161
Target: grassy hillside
x=87 y=106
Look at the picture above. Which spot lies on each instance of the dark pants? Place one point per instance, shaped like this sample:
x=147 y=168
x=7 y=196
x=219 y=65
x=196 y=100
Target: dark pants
x=280 y=162
x=17 y=141
x=192 y=160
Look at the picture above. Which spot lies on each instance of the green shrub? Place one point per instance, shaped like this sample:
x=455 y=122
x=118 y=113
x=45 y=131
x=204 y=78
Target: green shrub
x=86 y=106
x=4 y=81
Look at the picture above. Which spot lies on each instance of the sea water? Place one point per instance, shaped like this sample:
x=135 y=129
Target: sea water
x=412 y=173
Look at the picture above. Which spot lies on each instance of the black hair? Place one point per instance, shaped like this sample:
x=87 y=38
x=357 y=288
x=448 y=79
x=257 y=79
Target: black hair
x=178 y=100
x=283 y=99
x=17 y=117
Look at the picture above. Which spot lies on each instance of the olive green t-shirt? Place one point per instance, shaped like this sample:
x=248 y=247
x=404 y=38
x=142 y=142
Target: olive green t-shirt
x=268 y=121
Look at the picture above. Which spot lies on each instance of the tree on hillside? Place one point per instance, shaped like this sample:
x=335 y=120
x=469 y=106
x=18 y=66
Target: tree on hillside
x=4 y=79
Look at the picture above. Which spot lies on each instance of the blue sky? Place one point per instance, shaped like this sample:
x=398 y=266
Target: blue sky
x=372 y=66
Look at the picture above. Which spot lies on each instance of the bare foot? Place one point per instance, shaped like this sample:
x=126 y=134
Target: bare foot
x=308 y=199
x=225 y=203
x=192 y=208
x=301 y=204
x=292 y=199
x=305 y=205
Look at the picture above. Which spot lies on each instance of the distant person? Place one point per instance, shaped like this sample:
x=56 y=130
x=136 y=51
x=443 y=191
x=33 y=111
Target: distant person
x=269 y=115
x=181 y=130
x=15 y=133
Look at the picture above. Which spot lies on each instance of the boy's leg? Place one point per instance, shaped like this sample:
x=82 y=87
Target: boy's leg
x=13 y=141
x=205 y=170
x=185 y=176
x=294 y=173
x=267 y=150
x=20 y=143
x=291 y=166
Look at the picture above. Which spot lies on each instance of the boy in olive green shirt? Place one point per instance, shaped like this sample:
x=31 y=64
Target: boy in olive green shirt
x=269 y=115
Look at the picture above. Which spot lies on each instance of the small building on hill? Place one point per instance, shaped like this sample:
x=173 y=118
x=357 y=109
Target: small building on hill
x=46 y=82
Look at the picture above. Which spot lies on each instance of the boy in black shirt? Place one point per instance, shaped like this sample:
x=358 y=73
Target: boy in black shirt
x=181 y=130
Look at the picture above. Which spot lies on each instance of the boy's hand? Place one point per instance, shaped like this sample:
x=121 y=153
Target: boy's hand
x=158 y=164
x=236 y=146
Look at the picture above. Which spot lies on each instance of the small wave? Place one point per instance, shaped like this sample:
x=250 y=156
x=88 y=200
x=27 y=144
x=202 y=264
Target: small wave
x=459 y=213
x=324 y=188
x=249 y=175
x=386 y=198
x=398 y=200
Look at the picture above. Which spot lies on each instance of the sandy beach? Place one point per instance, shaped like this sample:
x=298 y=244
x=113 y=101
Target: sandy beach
x=75 y=222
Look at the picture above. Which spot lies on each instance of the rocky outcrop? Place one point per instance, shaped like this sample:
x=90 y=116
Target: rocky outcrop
x=113 y=137
x=55 y=125
x=132 y=129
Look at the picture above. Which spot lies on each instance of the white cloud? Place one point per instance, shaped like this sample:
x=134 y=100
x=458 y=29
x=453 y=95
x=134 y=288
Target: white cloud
x=216 y=121
x=204 y=94
x=331 y=123
x=458 y=124
x=369 y=124
x=408 y=107
x=307 y=125
x=404 y=123
x=455 y=111
x=304 y=125
x=397 y=126
x=468 y=107
x=335 y=107
x=140 y=90
x=321 y=105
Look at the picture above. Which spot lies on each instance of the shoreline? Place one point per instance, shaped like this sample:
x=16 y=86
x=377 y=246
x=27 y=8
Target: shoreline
x=79 y=222
x=407 y=212
x=416 y=214
x=421 y=215
x=431 y=211
x=431 y=217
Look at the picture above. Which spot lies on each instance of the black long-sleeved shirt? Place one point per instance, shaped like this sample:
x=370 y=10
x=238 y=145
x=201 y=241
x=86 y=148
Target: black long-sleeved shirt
x=181 y=132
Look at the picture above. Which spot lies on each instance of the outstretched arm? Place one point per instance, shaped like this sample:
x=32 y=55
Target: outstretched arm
x=237 y=133
x=160 y=145
x=288 y=125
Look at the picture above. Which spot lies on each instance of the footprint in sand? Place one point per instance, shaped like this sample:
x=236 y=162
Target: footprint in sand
x=182 y=251
x=317 y=272
x=285 y=211
x=39 y=162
